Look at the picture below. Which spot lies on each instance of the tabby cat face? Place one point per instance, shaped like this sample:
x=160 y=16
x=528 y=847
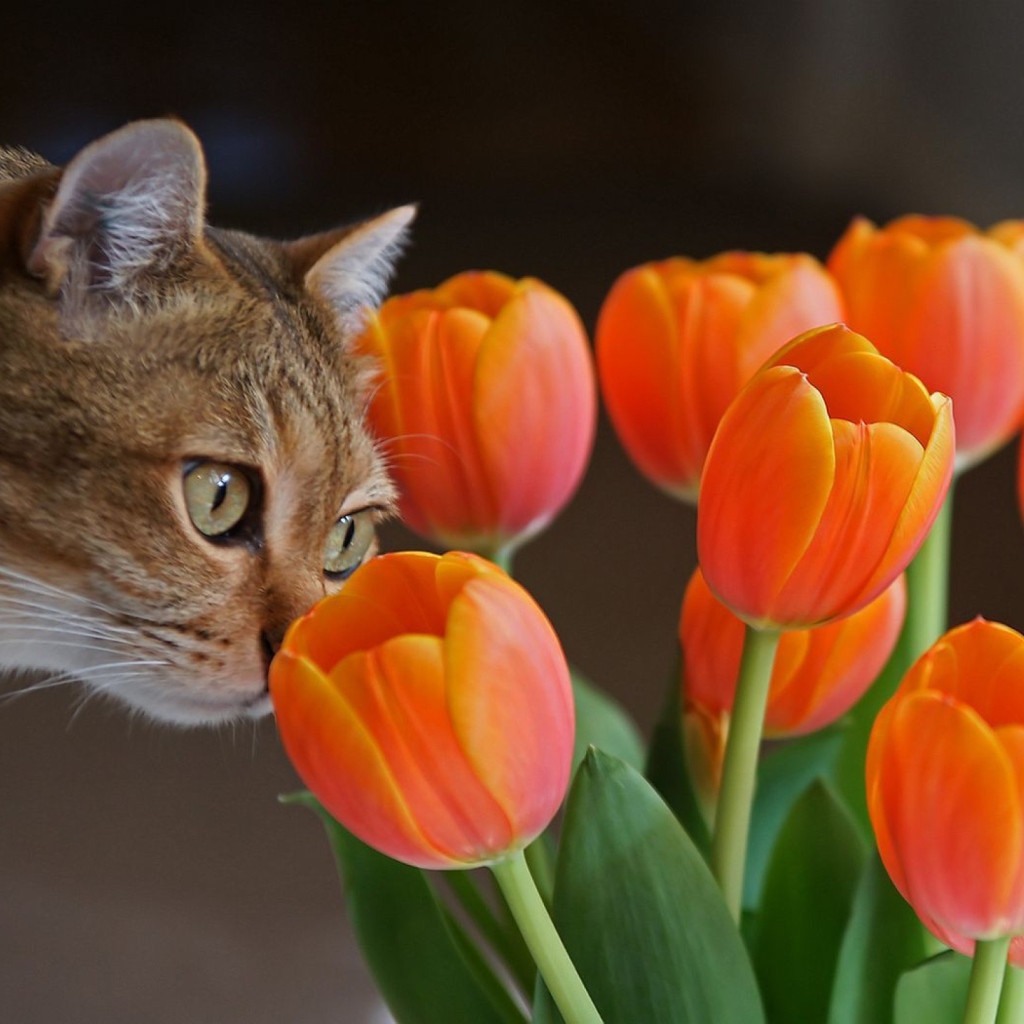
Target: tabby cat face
x=183 y=464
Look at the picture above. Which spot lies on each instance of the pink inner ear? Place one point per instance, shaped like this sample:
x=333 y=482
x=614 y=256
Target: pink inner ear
x=126 y=203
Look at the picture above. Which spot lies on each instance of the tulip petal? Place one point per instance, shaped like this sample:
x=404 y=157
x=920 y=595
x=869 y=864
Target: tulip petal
x=949 y=797
x=866 y=387
x=924 y=501
x=387 y=597
x=972 y=305
x=876 y=466
x=510 y=700
x=484 y=291
x=398 y=692
x=790 y=302
x=533 y=381
x=642 y=375
x=766 y=484
x=336 y=756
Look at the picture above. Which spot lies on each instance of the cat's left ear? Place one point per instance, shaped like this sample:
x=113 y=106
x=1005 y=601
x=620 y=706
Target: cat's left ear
x=349 y=268
x=127 y=206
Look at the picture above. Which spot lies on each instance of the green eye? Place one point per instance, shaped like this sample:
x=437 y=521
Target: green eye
x=216 y=497
x=348 y=542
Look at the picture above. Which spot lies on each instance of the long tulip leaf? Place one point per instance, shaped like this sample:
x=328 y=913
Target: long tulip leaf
x=419 y=957
x=934 y=992
x=639 y=911
x=782 y=776
x=808 y=894
x=883 y=940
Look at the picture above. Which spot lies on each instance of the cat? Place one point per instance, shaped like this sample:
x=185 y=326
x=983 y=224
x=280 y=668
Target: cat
x=184 y=467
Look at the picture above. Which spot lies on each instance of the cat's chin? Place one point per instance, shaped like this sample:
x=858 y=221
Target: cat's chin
x=190 y=711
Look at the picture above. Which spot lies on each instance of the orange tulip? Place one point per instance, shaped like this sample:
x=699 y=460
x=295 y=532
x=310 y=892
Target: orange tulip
x=945 y=785
x=818 y=674
x=822 y=482
x=487 y=407
x=428 y=707
x=677 y=340
x=944 y=301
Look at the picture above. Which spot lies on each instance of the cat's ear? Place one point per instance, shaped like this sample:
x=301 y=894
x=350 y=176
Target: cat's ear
x=349 y=268
x=129 y=204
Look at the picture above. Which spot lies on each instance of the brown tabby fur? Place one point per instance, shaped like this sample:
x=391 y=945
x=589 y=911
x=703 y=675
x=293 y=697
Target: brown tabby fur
x=134 y=338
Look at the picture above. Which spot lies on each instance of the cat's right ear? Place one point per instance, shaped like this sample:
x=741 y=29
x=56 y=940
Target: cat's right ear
x=128 y=205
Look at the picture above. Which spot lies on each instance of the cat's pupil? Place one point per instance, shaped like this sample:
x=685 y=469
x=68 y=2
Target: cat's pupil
x=222 y=493
x=348 y=543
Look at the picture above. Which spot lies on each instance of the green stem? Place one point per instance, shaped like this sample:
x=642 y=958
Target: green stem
x=538 y=857
x=504 y=940
x=1011 y=1002
x=739 y=772
x=557 y=970
x=986 y=980
x=928 y=585
x=501 y=557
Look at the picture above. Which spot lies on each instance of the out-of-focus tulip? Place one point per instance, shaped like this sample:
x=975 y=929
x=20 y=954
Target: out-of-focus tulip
x=428 y=707
x=676 y=341
x=822 y=482
x=945 y=302
x=945 y=786
x=818 y=674
x=486 y=407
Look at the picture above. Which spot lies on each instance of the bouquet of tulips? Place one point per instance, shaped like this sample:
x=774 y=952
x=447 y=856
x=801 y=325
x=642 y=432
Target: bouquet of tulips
x=828 y=824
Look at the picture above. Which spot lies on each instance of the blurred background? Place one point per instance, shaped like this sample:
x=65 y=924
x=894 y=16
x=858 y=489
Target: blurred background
x=147 y=875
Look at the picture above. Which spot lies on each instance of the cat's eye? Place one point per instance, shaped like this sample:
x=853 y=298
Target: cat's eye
x=348 y=542
x=217 y=497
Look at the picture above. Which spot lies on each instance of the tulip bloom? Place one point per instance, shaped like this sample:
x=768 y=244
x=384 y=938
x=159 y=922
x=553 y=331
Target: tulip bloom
x=822 y=482
x=817 y=676
x=429 y=709
x=945 y=785
x=677 y=340
x=487 y=407
x=945 y=302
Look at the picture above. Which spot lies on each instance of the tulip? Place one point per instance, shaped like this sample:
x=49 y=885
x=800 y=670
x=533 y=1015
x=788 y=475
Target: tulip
x=486 y=407
x=428 y=707
x=817 y=676
x=677 y=340
x=822 y=481
x=945 y=302
x=945 y=785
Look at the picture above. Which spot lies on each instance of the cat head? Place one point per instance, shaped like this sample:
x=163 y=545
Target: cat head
x=184 y=467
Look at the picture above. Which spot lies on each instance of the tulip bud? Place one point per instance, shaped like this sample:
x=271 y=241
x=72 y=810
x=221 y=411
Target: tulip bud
x=677 y=340
x=428 y=707
x=945 y=786
x=822 y=482
x=945 y=302
x=486 y=407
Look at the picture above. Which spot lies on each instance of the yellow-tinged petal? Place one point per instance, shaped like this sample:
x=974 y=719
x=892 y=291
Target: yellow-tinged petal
x=766 y=484
x=338 y=760
x=875 y=469
x=399 y=691
x=534 y=383
x=949 y=796
x=510 y=700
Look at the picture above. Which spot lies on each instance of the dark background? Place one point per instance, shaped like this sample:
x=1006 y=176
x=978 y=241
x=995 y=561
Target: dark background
x=147 y=875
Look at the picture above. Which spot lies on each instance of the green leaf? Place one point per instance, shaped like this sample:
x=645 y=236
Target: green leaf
x=935 y=992
x=782 y=776
x=639 y=912
x=667 y=772
x=603 y=723
x=421 y=960
x=808 y=893
x=883 y=939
